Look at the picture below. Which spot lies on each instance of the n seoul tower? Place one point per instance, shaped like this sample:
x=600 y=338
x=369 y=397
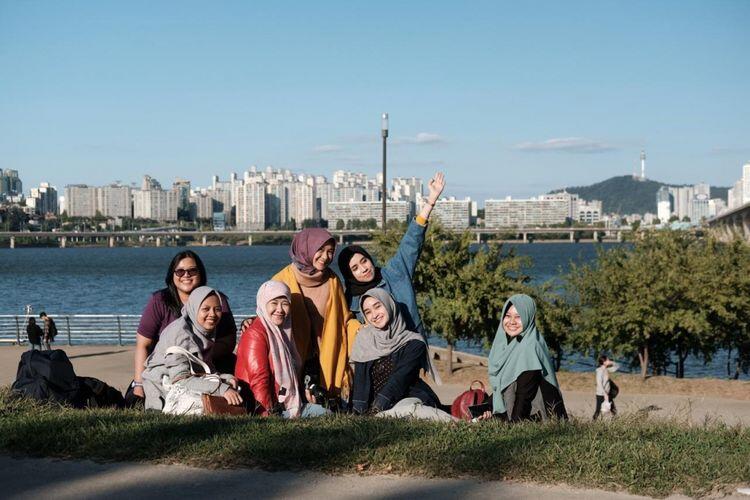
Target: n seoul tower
x=643 y=165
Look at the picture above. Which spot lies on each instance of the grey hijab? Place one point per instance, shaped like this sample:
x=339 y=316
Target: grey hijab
x=188 y=322
x=372 y=343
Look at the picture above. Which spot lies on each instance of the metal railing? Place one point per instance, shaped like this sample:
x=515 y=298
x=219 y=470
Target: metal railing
x=81 y=329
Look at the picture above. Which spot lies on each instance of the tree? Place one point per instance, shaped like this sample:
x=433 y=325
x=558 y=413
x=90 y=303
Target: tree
x=460 y=288
x=340 y=224
x=554 y=319
x=657 y=299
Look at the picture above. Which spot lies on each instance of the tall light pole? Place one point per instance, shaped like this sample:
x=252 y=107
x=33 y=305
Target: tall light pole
x=384 y=129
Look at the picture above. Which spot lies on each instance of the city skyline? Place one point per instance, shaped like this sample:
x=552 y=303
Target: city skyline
x=506 y=99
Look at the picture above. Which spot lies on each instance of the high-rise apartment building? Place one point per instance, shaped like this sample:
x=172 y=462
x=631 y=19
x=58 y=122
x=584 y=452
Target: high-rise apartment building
x=251 y=204
x=182 y=188
x=114 y=200
x=663 y=204
x=10 y=184
x=523 y=213
x=570 y=198
x=683 y=199
x=588 y=212
x=43 y=200
x=734 y=195
x=452 y=213
x=363 y=210
x=152 y=202
x=80 y=200
x=406 y=189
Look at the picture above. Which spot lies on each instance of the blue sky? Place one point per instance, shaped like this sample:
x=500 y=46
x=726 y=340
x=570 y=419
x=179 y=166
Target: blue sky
x=508 y=98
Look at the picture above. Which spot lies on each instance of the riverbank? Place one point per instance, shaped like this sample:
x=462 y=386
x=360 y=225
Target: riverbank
x=689 y=400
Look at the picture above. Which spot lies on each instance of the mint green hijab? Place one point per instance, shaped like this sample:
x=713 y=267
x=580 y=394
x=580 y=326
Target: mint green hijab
x=509 y=359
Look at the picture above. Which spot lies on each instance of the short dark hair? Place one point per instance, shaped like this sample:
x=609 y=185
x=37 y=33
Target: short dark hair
x=601 y=359
x=42 y=314
x=172 y=297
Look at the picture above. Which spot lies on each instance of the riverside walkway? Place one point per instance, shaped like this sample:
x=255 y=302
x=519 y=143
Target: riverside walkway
x=49 y=478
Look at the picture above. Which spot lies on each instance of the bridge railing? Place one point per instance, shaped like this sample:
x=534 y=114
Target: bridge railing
x=81 y=329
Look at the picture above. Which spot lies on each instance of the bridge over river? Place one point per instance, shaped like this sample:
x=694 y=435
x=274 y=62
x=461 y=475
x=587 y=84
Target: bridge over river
x=732 y=224
x=164 y=237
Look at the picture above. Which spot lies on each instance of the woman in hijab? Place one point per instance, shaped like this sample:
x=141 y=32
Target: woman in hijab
x=322 y=325
x=520 y=368
x=388 y=358
x=361 y=274
x=194 y=331
x=267 y=360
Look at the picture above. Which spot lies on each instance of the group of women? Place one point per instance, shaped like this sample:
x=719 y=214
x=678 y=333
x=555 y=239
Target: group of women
x=317 y=346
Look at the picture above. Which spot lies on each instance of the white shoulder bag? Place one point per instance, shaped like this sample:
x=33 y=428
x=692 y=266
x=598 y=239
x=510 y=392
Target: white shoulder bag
x=180 y=400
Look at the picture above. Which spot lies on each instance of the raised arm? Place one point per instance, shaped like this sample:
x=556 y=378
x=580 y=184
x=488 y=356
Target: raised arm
x=407 y=255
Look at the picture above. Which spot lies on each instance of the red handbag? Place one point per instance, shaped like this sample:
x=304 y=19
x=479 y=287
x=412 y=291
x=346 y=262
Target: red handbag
x=460 y=406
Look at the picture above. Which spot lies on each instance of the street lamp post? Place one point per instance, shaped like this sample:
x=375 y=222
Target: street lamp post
x=384 y=129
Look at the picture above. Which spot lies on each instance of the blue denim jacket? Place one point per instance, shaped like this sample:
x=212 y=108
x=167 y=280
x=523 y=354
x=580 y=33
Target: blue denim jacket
x=398 y=275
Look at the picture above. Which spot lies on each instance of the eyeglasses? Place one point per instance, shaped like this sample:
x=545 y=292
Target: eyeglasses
x=193 y=271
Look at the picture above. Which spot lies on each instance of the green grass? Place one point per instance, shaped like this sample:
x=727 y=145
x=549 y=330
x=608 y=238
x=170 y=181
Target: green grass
x=633 y=453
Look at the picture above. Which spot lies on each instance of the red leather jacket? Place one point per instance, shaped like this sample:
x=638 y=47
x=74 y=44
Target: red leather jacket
x=254 y=366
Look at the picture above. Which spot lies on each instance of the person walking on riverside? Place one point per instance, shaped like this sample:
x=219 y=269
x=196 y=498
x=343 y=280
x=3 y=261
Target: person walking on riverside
x=396 y=277
x=606 y=389
x=50 y=330
x=34 y=334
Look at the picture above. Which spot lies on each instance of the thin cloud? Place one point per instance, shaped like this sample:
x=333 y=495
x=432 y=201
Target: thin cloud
x=421 y=139
x=728 y=151
x=327 y=148
x=573 y=145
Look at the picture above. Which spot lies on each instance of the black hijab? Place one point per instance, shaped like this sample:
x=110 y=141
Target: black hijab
x=355 y=288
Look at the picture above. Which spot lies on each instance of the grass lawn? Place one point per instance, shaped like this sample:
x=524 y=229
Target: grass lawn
x=633 y=453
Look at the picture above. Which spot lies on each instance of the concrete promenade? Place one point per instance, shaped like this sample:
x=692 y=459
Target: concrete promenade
x=28 y=478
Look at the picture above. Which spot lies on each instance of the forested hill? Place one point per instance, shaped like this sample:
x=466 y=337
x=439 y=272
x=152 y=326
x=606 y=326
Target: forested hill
x=626 y=195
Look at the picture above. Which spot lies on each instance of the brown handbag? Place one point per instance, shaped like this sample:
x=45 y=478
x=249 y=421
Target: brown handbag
x=217 y=405
x=460 y=406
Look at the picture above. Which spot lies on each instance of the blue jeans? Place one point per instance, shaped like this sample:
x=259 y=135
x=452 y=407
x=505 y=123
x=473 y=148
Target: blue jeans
x=310 y=410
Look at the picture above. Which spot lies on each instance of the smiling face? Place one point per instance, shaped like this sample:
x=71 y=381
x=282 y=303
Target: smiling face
x=190 y=278
x=209 y=313
x=362 y=268
x=512 y=322
x=278 y=309
x=375 y=313
x=324 y=256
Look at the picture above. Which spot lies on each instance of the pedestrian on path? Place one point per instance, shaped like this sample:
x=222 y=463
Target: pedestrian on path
x=34 y=334
x=606 y=389
x=50 y=330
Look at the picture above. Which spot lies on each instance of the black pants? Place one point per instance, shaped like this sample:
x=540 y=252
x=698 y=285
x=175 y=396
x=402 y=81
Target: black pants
x=599 y=401
x=527 y=386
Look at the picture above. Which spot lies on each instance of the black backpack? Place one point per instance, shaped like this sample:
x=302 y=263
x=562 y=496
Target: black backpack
x=49 y=376
x=46 y=376
x=94 y=393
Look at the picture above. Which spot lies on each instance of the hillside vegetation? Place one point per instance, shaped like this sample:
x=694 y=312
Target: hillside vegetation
x=626 y=195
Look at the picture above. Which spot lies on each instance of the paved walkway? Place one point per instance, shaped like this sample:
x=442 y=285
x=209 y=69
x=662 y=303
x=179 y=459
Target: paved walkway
x=47 y=478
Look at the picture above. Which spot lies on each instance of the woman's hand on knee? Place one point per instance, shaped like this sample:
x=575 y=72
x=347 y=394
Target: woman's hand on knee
x=233 y=397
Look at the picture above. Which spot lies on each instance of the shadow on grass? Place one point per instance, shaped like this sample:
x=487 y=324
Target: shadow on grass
x=631 y=453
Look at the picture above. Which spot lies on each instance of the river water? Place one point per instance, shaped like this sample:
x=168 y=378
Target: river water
x=120 y=280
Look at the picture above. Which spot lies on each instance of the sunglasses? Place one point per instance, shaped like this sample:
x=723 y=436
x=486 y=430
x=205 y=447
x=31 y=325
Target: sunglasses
x=193 y=271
